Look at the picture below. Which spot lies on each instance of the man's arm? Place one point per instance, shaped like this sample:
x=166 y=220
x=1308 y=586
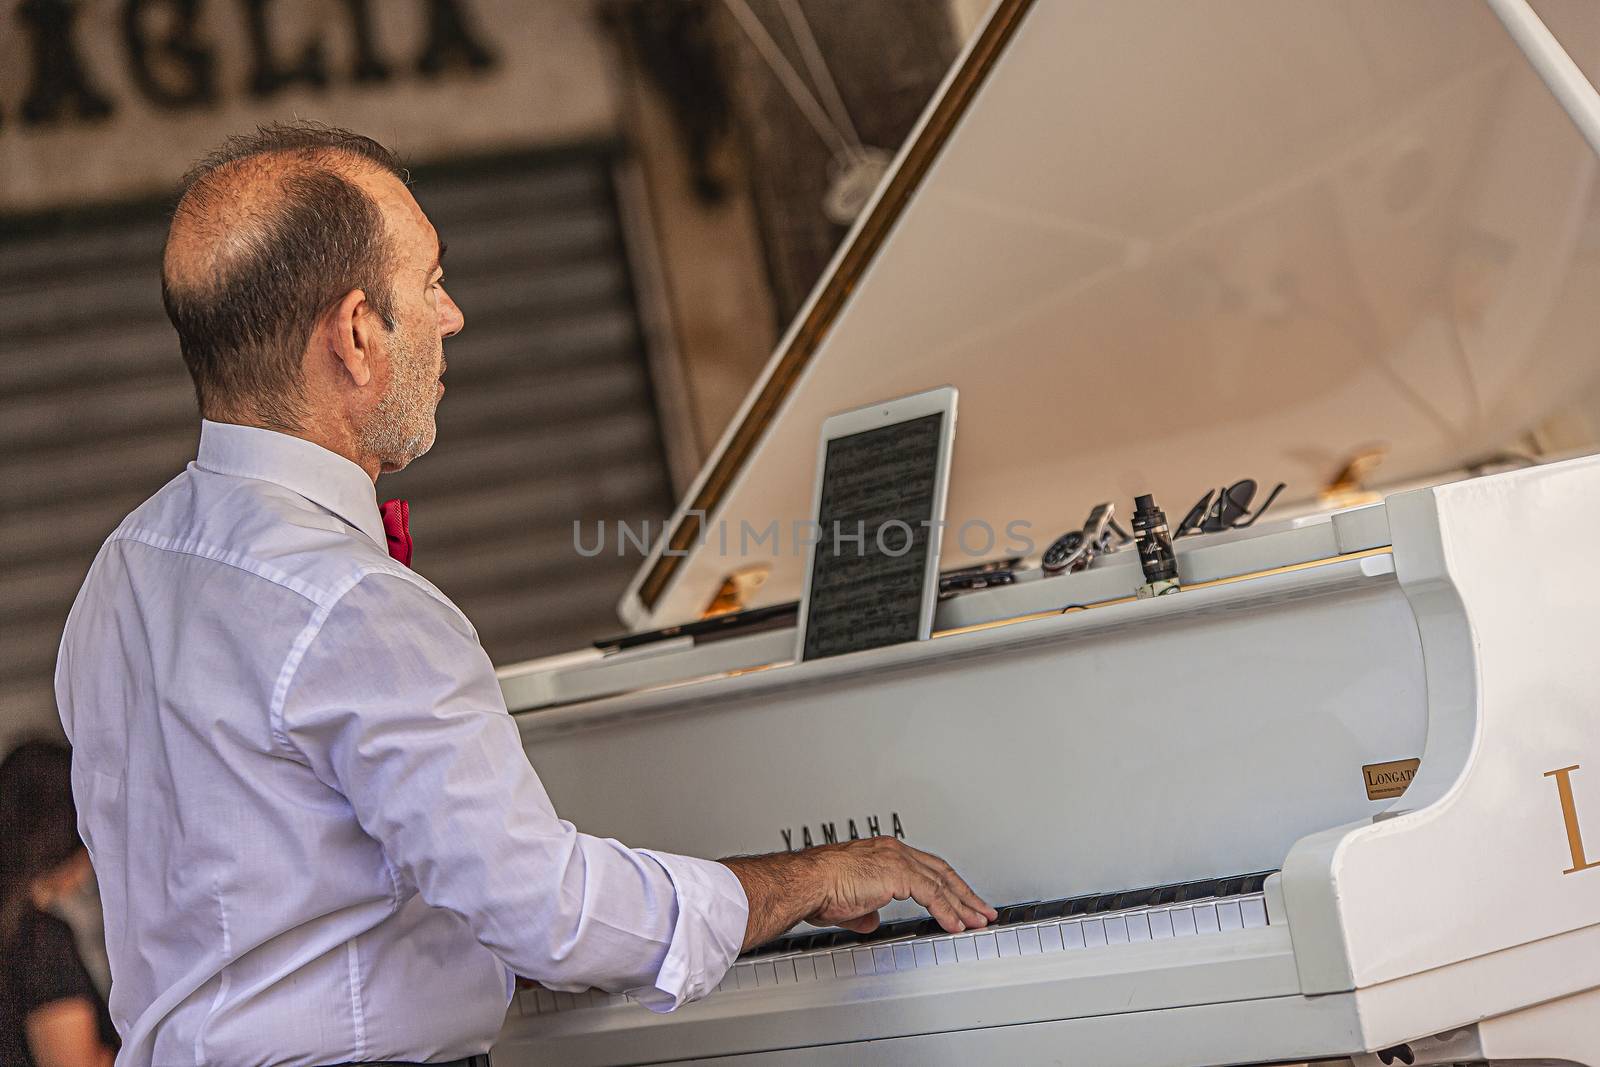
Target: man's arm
x=395 y=707
x=845 y=885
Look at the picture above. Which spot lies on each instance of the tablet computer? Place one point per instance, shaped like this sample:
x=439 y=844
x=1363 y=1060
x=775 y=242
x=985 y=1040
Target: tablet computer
x=872 y=577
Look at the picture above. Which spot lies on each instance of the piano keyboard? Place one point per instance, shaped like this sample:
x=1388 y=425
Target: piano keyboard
x=1098 y=920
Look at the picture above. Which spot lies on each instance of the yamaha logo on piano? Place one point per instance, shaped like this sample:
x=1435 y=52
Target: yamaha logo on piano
x=828 y=832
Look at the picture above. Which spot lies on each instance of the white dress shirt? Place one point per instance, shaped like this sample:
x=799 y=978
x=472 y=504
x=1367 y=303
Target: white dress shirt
x=316 y=833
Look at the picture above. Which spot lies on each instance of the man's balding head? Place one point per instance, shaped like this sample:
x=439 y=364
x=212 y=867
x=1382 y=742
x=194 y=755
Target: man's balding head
x=272 y=229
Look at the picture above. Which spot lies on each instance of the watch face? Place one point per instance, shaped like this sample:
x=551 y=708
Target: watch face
x=1064 y=553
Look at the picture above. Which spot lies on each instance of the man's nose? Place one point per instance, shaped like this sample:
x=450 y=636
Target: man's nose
x=451 y=320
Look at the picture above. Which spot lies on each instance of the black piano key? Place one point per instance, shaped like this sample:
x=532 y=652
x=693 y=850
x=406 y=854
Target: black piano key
x=1013 y=913
x=1051 y=909
x=796 y=943
x=1135 y=898
x=834 y=939
x=1103 y=903
x=891 y=931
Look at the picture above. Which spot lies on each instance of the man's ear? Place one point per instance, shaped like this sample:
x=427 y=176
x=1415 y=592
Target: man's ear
x=350 y=339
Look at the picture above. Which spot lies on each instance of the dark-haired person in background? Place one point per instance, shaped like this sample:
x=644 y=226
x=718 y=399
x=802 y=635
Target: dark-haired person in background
x=51 y=1013
x=318 y=838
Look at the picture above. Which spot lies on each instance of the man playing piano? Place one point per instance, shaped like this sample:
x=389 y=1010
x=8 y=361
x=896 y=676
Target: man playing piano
x=317 y=835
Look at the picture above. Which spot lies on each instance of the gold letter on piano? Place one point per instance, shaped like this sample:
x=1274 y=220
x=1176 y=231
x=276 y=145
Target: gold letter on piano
x=1569 y=812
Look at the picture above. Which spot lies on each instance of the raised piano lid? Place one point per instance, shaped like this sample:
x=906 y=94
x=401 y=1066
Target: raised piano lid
x=1159 y=247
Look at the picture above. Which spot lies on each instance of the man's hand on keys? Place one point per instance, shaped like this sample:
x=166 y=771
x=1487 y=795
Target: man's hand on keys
x=847 y=883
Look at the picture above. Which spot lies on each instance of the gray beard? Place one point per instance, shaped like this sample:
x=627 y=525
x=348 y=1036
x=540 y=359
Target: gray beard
x=401 y=427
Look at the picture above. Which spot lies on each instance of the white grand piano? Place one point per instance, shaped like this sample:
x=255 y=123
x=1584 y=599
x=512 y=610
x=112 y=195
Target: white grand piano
x=1350 y=245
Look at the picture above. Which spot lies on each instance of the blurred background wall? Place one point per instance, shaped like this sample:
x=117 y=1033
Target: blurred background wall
x=638 y=196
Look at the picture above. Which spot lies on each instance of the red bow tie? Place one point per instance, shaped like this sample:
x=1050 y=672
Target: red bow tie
x=396 y=527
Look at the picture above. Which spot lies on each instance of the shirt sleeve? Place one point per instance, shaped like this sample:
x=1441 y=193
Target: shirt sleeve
x=395 y=705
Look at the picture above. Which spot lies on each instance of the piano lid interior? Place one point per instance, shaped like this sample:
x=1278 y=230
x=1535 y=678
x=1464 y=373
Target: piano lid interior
x=1159 y=247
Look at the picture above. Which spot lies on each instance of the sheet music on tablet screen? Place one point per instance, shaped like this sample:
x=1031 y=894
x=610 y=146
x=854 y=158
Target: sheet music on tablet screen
x=861 y=595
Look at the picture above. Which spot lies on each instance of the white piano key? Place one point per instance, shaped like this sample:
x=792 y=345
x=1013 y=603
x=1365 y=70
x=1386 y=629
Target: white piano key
x=1228 y=915
x=1050 y=938
x=766 y=977
x=1028 y=941
x=923 y=950
x=1254 y=913
x=844 y=963
x=1072 y=934
x=883 y=959
x=547 y=1000
x=1138 y=927
x=863 y=960
x=1116 y=929
x=616 y=1000
x=1094 y=933
x=904 y=960
x=582 y=999
x=1182 y=922
x=987 y=948
x=727 y=982
x=784 y=970
x=745 y=975
x=966 y=951
x=1160 y=925
x=805 y=969
x=944 y=951
x=563 y=1001
x=824 y=964
x=1205 y=918
x=1006 y=940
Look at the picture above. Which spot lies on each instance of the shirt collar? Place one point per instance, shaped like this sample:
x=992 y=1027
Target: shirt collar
x=325 y=478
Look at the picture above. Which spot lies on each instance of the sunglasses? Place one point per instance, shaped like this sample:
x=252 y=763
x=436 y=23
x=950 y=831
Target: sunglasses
x=1226 y=509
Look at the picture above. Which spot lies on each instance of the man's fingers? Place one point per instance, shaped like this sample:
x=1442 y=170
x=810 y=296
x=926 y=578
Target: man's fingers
x=972 y=915
x=963 y=892
x=942 y=905
x=945 y=871
x=958 y=887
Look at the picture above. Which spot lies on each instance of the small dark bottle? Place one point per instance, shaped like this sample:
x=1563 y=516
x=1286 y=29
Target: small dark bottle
x=1156 y=557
